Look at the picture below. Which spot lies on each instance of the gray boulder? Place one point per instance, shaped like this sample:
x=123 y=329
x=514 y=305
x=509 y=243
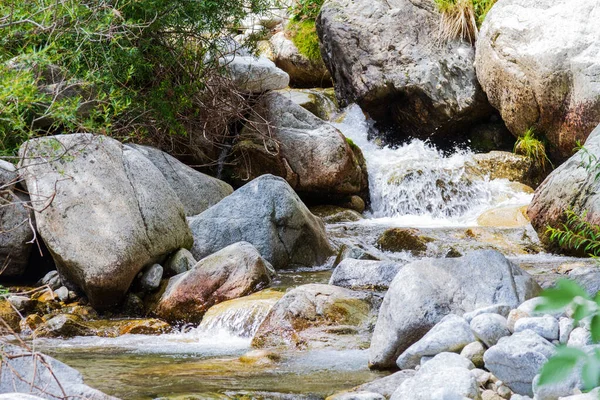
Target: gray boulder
x=474 y=353
x=16 y=220
x=489 y=328
x=579 y=337
x=451 y=334
x=387 y=385
x=150 y=279
x=52 y=279
x=546 y=326
x=37 y=374
x=312 y=155
x=565 y=327
x=364 y=274
x=430 y=289
x=197 y=191
x=103 y=209
x=539 y=63
x=267 y=213
x=385 y=55
x=501 y=309
x=255 y=75
x=235 y=271
x=446 y=376
x=517 y=359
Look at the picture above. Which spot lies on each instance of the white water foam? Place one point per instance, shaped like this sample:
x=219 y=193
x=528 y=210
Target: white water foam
x=417 y=185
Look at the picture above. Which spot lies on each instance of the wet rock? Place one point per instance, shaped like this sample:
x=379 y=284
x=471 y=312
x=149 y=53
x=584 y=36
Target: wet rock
x=9 y=315
x=267 y=213
x=52 y=279
x=125 y=213
x=15 y=228
x=474 y=352
x=64 y=325
x=430 y=289
x=445 y=376
x=312 y=155
x=358 y=395
x=320 y=102
x=255 y=75
x=179 y=262
x=21 y=303
x=150 y=279
x=235 y=271
x=39 y=374
x=538 y=64
x=489 y=328
x=133 y=305
x=384 y=57
x=504 y=217
x=399 y=239
x=303 y=72
x=546 y=326
x=334 y=214
x=260 y=357
x=62 y=293
x=386 y=386
x=451 y=334
x=517 y=359
x=144 y=327
x=313 y=315
x=365 y=274
x=505 y=165
x=242 y=316
x=197 y=191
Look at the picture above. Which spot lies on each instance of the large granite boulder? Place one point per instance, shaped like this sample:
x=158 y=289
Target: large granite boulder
x=309 y=153
x=254 y=75
x=24 y=371
x=103 y=209
x=316 y=315
x=539 y=63
x=365 y=274
x=386 y=56
x=16 y=221
x=235 y=271
x=268 y=214
x=197 y=191
x=430 y=289
x=572 y=186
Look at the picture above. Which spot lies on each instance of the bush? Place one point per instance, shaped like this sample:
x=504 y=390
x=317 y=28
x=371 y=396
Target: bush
x=306 y=9
x=304 y=35
x=577 y=234
x=145 y=66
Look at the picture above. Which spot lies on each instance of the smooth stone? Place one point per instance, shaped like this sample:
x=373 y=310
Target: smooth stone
x=20 y=303
x=52 y=279
x=501 y=309
x=579 y=337
x=361 y=395
x=62 y=293
x=451 y=334
x=365 y=274
x=151 y=278
x=489 y=328
x=255 y=75
x=180 y=262
x=565 y=327
x=474 y=352
x=546 y=326
x=513 y=317
x=386 y=386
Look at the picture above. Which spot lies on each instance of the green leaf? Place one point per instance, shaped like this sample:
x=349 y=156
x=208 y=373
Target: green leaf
x=595 y=328
x=560 y=365
x=561 y=296
x=581 y=311
x=590 y=372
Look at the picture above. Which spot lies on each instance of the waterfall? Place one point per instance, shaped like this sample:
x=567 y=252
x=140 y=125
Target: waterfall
x=418 y=180
x=242 y=322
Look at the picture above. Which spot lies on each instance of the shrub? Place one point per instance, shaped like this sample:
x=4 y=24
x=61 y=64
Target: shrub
x=306 y=9
x=304 y=35
x=145 y=65
x=577 y=233
x=530 y=147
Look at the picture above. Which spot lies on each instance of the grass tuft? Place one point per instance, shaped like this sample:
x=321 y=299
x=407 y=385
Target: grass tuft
x=530 y=147
x=461 y=19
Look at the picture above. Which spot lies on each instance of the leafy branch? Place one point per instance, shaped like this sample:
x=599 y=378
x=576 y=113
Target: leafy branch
x=577 y=234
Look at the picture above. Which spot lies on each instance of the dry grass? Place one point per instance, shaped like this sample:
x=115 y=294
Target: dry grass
x=458 y=20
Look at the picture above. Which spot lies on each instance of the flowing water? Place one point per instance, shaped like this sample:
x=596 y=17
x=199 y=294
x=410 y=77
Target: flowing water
x=414 y=185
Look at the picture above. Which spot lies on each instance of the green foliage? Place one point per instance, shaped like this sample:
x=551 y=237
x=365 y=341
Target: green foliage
x=304 y=35
x=530 y=147
x=577 y=233
x=568 y=294
x=306 y=9
x=3 y=291
x=140 y=64
x=482 y=7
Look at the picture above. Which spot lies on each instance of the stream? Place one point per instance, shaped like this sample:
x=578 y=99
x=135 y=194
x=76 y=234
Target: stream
x=414 y=185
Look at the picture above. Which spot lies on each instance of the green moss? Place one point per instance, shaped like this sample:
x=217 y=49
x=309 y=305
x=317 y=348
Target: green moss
x=397 y=239
x=351 y=143
x=304 y=35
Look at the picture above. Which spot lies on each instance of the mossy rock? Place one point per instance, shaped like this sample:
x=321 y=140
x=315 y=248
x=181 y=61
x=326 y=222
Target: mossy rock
x=399 y=239
x=10 y=316
x=334 y=214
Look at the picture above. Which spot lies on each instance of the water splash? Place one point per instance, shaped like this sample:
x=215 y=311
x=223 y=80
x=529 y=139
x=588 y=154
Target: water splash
x=418 y=180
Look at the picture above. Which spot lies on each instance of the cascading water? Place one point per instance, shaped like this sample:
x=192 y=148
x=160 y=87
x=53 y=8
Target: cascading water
x=417 y=184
